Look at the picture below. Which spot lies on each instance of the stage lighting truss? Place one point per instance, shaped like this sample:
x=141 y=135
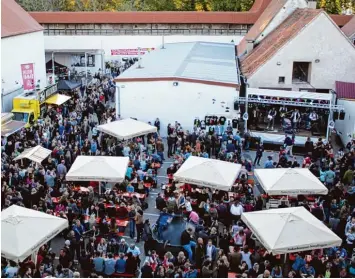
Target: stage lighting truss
x=296 y=103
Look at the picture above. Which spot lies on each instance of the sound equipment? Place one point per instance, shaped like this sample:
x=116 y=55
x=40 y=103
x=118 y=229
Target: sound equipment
x=342 y=115
x=335 y=115
x=236 y=105
x=259 y=128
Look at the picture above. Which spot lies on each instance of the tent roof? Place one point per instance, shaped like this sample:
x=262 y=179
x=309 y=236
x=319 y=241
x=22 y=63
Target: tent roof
x=127 y=128
x=57 y=99
x=98 y=168
x=68 y=85
x=289 y=94
x=56 y=65
x=24 y=230
x=36 y=154
x=208 y=172
x=296 y=181
x=11 y=127
x=288 y=230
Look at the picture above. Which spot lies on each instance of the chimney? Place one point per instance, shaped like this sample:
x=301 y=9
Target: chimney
x=139 y=58
x=163 y=42
x=250 y=45
x=312 y=5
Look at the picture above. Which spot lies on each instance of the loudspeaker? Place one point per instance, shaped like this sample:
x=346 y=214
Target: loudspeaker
x=335 y=115
x=236 y=105
x=342 y=115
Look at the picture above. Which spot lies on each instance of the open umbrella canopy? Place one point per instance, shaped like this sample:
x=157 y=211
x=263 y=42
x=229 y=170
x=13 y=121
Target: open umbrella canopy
x=36 y=154
x=98 y=168
x=208 y=172
x=23 y=231
x=296 y=181
x=288 y=230
x=127 y=128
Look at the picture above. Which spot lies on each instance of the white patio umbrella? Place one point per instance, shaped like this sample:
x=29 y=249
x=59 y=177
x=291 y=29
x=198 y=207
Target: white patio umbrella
x=36 y=154
x=296 y=181
x=98 y=168
x=24 y=231
x=208 y=172
x=288 y=230
x=127 y=128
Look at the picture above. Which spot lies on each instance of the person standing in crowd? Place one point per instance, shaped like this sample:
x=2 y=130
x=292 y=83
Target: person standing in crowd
x=259 y=153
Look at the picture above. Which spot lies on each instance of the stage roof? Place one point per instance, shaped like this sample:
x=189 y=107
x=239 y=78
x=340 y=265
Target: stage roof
x=289 y=94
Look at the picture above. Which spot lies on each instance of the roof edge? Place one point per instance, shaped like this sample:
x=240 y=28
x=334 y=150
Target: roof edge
x=282 y=47
x=21 y=33
x=152 y=79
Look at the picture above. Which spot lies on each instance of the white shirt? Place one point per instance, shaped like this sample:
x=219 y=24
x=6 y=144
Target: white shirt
x=236 y=210
x=209 y=252
x=188 y=206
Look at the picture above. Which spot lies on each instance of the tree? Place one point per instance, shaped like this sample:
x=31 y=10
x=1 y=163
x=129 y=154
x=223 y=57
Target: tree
x=245 y=5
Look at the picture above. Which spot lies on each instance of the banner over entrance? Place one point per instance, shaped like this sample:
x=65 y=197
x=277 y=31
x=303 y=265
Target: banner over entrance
x=28 y=76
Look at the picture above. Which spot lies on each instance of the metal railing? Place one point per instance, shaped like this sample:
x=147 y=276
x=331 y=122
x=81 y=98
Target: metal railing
x=108 y=32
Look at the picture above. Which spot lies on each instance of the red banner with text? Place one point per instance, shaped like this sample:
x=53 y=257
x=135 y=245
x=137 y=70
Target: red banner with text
x=28 y=76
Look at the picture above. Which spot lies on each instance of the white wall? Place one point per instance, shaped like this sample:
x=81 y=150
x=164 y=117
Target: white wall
x=66 y=60
x=22 y=49
x=322 y=40
x=346 y=126
x=116 y=42
x=148 y=100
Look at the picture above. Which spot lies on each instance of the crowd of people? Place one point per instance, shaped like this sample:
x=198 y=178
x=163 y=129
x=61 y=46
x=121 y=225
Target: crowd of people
x=217 y=242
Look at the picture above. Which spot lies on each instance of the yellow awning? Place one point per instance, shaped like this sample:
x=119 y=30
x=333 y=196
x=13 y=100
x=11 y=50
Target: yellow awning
x=57 y=99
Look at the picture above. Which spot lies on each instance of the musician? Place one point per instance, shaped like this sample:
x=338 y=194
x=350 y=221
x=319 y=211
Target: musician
x=295 y=118
x=313 y=117
x=283 y=112
x=271 y=118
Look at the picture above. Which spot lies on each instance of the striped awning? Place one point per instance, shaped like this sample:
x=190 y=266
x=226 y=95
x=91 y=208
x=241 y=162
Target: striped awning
x=36 y=154
x=345 y=90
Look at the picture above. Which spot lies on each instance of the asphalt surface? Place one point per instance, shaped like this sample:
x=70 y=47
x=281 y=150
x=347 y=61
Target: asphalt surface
x=152 y=213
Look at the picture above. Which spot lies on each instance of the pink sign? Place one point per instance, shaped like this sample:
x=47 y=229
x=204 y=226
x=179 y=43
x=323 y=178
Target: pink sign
x=130 y=51
x=28 y=76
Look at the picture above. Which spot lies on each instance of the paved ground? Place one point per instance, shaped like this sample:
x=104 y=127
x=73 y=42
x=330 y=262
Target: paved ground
x=153 y=213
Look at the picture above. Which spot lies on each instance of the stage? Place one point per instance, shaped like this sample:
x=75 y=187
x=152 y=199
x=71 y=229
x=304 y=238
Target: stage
x=278 y=137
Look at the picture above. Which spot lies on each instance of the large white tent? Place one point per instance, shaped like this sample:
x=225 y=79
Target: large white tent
x=24 y=231
x=127 y=128
x=208 y=172
x=296 y=181
x=288 y=230
x=98 y=168
x=36 y=154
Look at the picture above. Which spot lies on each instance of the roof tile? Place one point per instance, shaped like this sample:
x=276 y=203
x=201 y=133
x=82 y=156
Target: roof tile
x=349 y=28
x=272 y=43
x=15 y=20
x=263 y=21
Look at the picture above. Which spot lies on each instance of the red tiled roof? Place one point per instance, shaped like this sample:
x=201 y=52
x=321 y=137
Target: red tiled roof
x=345 y=90
x=145 y=17
x=153 y=17
x=263 y=21
x=272 y=43
x=349 y=28
x=15 y=20
x=341 y=20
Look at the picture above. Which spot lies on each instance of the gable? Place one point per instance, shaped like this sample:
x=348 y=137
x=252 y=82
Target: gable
x=270 y=45
x=15 y=20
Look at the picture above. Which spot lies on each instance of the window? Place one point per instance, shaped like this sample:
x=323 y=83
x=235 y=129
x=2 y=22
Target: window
x=281 y=79
x=301 y=72
x=20 y=116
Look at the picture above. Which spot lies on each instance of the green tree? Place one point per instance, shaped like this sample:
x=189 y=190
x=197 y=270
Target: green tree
x=245 y=5
x=225 y=5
